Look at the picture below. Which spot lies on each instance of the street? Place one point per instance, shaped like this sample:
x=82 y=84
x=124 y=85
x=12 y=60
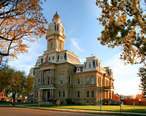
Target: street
x=10 y=111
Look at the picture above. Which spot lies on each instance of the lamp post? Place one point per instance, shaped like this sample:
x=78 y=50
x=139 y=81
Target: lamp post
x=100 y=97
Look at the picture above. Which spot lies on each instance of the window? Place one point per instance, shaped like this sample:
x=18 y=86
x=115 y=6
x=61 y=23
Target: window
x=33 y=73
x=87 y=93
x=89 y=65
x=94 y=63
x=81 y=69
x=65 y=56
x=48 y=80
x=59 y=94
x=92 y=93
x=92 y=80
x=99 y=81
x=78 y=81
x=69 y=79
x=85 y=65
x=78 y=94
x=63 y=93
x=39 y=81
x=57 y=27
x=58 y=58
x=41 y=60
x=61 y=79
x=49 y=58
x=53 y=58
x=87 y=81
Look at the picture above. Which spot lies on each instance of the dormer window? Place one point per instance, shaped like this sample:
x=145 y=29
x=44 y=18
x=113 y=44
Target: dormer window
x=41 y=60
x=94 y=63
x=49 y=59
x=65 y=56
x=58 y=58
x=85 y=65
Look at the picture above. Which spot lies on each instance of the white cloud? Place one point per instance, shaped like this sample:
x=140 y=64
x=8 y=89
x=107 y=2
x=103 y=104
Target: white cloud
x=75 y=45
x=127 y=87
x=126 y=79
x=27 y=60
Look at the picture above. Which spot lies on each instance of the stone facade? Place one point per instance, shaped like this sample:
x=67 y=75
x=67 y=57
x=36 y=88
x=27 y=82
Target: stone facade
x=58 y=73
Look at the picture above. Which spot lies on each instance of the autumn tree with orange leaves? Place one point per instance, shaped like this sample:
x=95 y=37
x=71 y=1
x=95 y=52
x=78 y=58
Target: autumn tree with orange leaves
x=20 y=21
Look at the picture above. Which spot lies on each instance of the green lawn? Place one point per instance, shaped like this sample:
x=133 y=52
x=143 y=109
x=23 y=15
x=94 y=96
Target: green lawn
x=126 y=108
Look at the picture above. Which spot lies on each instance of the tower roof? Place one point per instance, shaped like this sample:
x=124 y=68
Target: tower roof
x=56 y=17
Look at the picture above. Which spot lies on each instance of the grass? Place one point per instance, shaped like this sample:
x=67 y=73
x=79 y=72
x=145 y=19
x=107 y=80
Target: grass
x=126 y=108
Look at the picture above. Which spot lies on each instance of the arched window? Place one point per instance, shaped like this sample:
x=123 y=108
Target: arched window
x=92 y=80
x=78 y=94
x=78 y=81
x=92 y=93
x=87 y=81
x=69 y=79
x=94 y=63
x=61 y=79
x=63 y=93
x=58 y=58
x=65 y=56
x=87 y=93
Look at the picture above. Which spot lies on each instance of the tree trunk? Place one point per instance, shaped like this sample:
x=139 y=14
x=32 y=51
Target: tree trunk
x=13 y=97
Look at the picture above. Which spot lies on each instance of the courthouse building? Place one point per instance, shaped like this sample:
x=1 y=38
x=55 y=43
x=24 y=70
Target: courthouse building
x=58 y=73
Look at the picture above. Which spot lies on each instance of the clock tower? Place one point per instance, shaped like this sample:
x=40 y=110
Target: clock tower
x=55 y=36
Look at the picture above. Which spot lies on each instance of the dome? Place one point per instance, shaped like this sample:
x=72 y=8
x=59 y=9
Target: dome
x=56 y=17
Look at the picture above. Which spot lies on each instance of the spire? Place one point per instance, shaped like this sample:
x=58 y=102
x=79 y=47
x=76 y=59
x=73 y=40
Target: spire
x=56 y=17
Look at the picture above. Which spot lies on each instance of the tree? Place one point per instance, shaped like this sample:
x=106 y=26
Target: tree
x=142 y=74
x=29 y=85
x=124 y=25
x=15 y=83
x=20 y=21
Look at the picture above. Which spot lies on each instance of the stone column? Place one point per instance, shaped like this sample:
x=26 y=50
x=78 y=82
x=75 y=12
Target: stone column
x=50 y=76
x=41 y=95
x=42 y=77
x=110 y=94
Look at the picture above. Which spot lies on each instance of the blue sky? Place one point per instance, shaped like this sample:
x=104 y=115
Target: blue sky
x=82 y=29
